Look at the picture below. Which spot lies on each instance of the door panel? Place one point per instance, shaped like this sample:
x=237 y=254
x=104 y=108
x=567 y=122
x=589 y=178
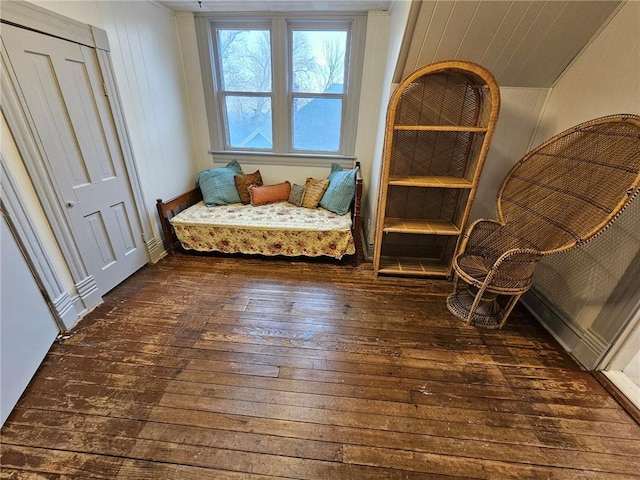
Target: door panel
x=44 y=92
x=63 y=89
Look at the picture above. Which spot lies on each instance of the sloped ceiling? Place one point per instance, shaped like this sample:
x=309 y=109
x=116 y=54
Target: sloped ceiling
x=524 y=43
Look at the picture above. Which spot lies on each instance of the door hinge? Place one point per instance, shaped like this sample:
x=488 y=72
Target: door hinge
x=104 y=87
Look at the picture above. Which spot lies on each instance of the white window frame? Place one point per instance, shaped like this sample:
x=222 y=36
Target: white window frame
x=281 y=27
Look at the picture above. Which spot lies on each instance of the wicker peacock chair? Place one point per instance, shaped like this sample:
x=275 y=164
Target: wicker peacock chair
x=560 y=195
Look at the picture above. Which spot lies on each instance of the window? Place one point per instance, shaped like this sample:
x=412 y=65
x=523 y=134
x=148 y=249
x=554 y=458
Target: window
x=283 y=86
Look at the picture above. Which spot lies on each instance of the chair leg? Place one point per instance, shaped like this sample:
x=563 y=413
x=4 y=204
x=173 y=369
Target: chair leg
x=508 y=307
x=490 y=307
x=456 y=282
x=477 y=307
x=486 y=306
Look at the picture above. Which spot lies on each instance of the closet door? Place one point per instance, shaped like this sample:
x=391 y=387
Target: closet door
x=27 y=327
x=64 y=93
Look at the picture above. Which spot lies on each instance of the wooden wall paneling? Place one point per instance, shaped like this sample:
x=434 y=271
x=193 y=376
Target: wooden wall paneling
x=571 y=27
x=423 y=34
x=521 y=108
x=518 y=31
x=504 y=35
x=460 y=18
x=530 y=37
x=526 y=43
x=482 y=31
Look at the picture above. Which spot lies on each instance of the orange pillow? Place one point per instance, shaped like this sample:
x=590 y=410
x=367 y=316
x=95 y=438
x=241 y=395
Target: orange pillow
x=261 y=195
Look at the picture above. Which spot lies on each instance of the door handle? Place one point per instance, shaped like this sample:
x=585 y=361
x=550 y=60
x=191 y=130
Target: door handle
x=71 y=204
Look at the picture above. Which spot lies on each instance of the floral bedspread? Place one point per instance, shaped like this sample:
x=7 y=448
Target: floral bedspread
x=274 y=229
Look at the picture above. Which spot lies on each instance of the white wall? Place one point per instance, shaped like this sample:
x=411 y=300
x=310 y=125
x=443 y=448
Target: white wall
x=517 y=120
x=147 y=62
x=398 y=17
x=604 y=79
x=373 y=94
x=195 y=92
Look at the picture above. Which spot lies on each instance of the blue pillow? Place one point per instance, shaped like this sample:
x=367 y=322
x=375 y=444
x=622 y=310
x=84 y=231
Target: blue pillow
x=218 y=185
x=342 y=188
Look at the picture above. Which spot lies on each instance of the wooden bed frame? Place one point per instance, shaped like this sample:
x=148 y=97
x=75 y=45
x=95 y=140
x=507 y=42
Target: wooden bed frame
x=167 y=210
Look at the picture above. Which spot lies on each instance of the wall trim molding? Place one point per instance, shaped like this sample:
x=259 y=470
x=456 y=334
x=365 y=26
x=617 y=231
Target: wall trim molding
x=156 y=249
x=40 y=19
x=586 y=346
x=88 y=290
x=590 y=349
x=566 y=332
x=70 y=308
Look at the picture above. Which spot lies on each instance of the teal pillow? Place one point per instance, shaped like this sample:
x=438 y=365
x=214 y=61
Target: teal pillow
x=218 y=185
x=342 y=188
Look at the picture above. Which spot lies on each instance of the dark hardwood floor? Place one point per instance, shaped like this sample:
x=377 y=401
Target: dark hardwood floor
x=223 y=368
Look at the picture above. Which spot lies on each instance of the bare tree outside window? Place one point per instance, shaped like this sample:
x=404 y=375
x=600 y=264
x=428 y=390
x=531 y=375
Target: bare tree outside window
x=318 y=60
x=316 y=79
x=318 y=88
x=245 y=75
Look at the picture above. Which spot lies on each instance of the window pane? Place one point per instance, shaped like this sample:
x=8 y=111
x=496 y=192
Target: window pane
x=318 y=61
x=249 y=122
x=245 y=60
x=316 y=124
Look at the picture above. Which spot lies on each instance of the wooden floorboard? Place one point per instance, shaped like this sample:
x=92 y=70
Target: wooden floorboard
x=204 y=367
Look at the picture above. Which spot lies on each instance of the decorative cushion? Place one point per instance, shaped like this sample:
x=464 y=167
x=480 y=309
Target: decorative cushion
x=243 y=182
x=314 y=189
x=342 y=188
x=297 y=193
x=218 y=186
x=269 y=193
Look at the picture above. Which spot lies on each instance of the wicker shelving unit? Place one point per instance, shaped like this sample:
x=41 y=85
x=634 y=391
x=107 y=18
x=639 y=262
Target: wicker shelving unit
x=440 y=121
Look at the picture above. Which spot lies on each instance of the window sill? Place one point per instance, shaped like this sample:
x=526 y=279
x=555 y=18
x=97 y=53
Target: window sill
x=287 y=160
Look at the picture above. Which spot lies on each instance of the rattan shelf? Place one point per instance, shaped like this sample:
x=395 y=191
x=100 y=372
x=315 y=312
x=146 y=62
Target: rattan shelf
x=420 y=226
x=440 y=128
x=430 y=181
x=440 y=121
x=417 y=267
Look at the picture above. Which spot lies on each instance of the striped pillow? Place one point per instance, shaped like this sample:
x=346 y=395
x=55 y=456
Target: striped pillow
x=313 y=191
x=342 y=188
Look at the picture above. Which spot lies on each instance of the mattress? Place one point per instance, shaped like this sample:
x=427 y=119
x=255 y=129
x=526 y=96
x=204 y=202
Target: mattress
x=273 y=229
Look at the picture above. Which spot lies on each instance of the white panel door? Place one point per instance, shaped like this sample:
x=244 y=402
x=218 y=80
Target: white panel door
x=27 y=326
x=64 y=92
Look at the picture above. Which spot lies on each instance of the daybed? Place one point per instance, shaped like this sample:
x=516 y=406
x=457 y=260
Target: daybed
x=278 y=228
